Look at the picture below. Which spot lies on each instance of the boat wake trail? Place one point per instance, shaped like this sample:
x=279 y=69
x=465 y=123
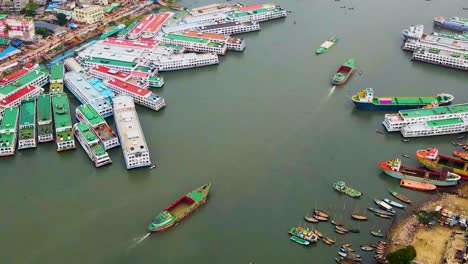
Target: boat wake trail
x=331 y=91
x=138 y=240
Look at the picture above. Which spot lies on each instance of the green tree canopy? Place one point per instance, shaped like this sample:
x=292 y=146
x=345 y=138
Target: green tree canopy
x=402 y=256
x=30 y=9
x=61 y=19
x=42 y=32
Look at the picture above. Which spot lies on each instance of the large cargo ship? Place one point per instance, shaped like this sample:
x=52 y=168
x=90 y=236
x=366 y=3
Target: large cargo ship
x=134 y=147
x=63 y=124
x=90 y=91
x=395 y=169
x=366 y=100
x=57 y=70
x=455 y=23
x=27 y=124
x=91 y=144
x=44 y=119
x=432 y=160
x=86 y=113
x=396 y=121
x=141 y=96
x=8 y=128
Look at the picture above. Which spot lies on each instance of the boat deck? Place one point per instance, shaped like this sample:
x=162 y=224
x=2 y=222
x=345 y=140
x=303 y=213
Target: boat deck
x=8 y=127
x=445 y=122
x=179 y=209
x=409 y=100
x=441 y=110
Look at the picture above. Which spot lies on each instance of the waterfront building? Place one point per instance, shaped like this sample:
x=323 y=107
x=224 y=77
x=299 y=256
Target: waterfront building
x=397 y=121
x=17 y=27
x=90 y=91
x=44 y=119
x=91 y=144
x=12 y=5
x=8 y=128
x=57 y=71
x=88 y=14
x=257 y=13
x=134 y=147
x=108 y=138
x=27 y=124
x=63 y=124
x=141 y=96
x=195 y=44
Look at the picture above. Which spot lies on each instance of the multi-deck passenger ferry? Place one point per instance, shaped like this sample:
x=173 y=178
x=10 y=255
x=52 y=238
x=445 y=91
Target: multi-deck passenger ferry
x=91 y=144
x=455 y=23
x=44 y=119
x=27 y=124
x=63 y=124
x=8 y=134
x=87 y=114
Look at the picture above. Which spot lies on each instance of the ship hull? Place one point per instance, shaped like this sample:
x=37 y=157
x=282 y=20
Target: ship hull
x=451 y=25
x=398 y=175
x=442 y=168
x=395 y=108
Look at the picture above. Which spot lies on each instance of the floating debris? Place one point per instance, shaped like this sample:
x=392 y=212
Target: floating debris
x=379 y=131
x=405 y=140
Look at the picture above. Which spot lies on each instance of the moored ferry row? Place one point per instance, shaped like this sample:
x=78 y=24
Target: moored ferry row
x=436 y=56
x=63 y=124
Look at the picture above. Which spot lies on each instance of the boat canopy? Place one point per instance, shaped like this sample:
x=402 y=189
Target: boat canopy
x=327 y=44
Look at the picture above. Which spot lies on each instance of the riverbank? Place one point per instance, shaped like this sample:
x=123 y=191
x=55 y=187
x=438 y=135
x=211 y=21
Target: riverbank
x=430 y=243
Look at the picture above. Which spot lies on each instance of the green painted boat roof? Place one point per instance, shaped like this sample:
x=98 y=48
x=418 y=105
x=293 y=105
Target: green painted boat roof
x=10 y=117
x=4 y=41
x=412 y=100
x=258 y=11
x=127 y=29
x=154 y=78
x=27 y=112
x=43 y=106
x=441 y=110
x=111 y=62
x=22 y=81
x=176 y=47
x=445 y=122
x=56 y=71
x=197 y=195
x=61 y=110
x=91 y=139
x=91 y=115
x=186 y=38
x=350 y=63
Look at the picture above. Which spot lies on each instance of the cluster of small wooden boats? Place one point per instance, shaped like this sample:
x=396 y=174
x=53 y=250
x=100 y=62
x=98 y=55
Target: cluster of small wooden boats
x=343 y=188
x=318 y=215
x=305 y=236
x=348 y=255
x=380 y=248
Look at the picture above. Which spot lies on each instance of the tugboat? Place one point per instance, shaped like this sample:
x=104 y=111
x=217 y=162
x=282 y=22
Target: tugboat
x=341 y=187
x=344 y=72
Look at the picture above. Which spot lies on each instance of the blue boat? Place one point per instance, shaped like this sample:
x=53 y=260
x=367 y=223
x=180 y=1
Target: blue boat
x=393 y=203
x=366 y=100
x=455 y=23
x=384 y=206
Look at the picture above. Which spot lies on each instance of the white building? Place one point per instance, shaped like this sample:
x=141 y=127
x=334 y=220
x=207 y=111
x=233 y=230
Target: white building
x=89 y=14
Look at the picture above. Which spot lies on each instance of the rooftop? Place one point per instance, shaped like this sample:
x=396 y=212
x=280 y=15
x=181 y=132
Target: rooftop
x=257 y=11
x=158 y=21
x=186 y=38
x=445 y=122
x=61 y=110
x=22 y=81
x=27 y=113
x=441 y=110
x=110 y=62
x=56 y=71
x=141 y=43
x=126 y=120
x=13 y=76
x=43 y=107
x=130 y=87
x=91 y=115
x=8 y=126
x=109 y=71
x=207 y=17
x=20 y=93
x=90 y=138
x=256 y=7
x=205 y=35
x=92 y=90
x=142 y=24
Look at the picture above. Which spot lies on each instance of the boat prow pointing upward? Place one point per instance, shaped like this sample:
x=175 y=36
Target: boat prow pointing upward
x=180 y=209
x=344 y=72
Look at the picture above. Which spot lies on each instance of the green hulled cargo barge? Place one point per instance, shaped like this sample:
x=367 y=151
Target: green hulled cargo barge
x=8 y=131
x=63 y=124
x=44 y=119
x=91 y=144
x=27 y=124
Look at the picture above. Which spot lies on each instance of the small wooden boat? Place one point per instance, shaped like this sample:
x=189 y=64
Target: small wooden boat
x=400 y=197
x=346 y=250
x=379 y=211
x=359 y=217
x=321 y=213
x=320 y=218
x=346 y=246
x=460 y=137
x=384 y=206
x=328 y=239
x=311 y=219
x=374 y=245
x=344 y=72
x=180 y=209
x=318 y=233
x=419 y=186
x=336 y=223
x=393 y=203
x=340 y=232
x=152 y=166
x=383 y=215
x=406 y=156
x=342 y=229
x=377 y=233
x=300 y=241
x=366 y=247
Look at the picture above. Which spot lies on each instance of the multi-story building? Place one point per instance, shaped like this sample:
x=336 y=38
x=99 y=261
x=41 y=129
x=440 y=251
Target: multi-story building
x=12 y=5
x=89 y=14
x=17 y=27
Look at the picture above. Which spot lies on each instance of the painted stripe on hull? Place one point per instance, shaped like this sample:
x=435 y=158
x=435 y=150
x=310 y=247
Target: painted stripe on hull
x=441 y=168
x=398 y=175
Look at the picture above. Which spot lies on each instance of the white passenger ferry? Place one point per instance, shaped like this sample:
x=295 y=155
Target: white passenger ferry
x=457 y=60
x=436 y=127
x=134 y=147
x=91 y=144
x=185 y=61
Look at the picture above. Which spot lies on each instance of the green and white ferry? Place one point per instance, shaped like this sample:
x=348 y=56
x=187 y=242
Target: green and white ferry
x=63 y=124
x=8 y=131
x=44 y=119
x=108 y=138
x=27 y=124
x=91 y=144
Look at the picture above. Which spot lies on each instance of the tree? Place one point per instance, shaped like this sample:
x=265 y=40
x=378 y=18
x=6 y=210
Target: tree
x=425 y=217
x=42 y=32
x=112 y=23
x=61 y=19
x=30 y=9
x=402 y=256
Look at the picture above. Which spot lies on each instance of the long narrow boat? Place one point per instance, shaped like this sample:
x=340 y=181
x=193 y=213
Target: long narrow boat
x=359 y=217
x=328 y=44
x=400 y=196
x=303 y=233
x=311 y=219
x=180 y=209
x=431 y=159
x=395 y=169
x=419 y=186
x=300 y=241
x=461 y=154
x=321 y=213
x=379 y=211
x=384 y=206
x=344 y=72
x=393 y=203
x=377 y=233
x=383 y=215
x=366 y=100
